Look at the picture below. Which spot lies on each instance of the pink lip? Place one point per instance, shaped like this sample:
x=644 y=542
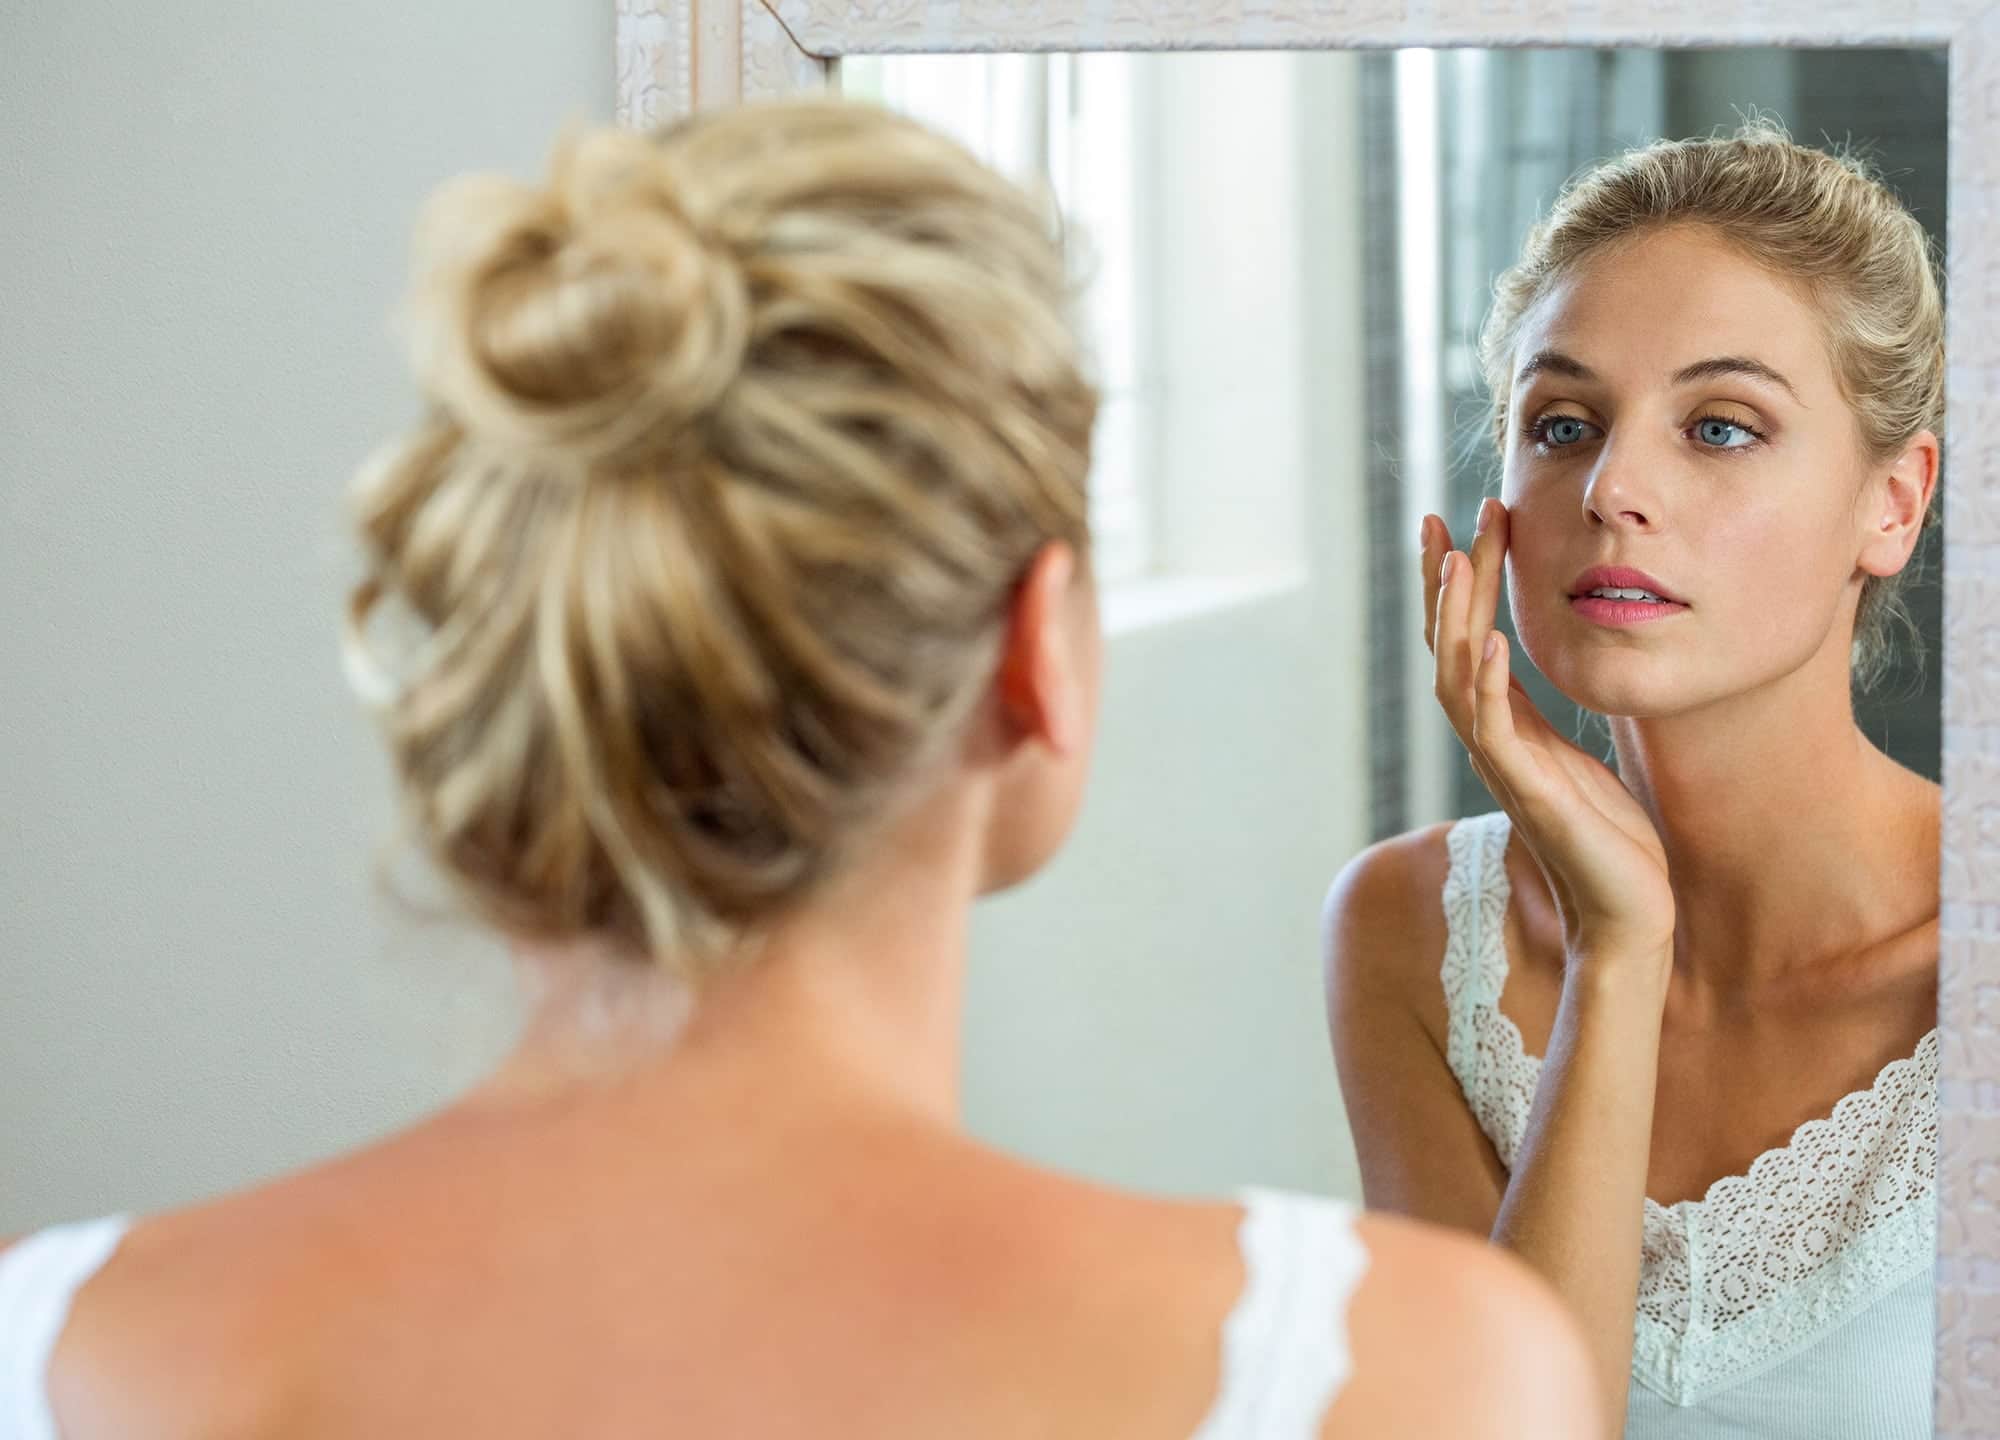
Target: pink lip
x=1621 y=613
x=1622 y=577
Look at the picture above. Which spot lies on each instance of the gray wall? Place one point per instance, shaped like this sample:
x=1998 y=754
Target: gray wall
x=207 y=210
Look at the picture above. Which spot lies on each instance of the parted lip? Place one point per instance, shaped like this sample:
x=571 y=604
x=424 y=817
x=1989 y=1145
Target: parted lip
x=1622 y=577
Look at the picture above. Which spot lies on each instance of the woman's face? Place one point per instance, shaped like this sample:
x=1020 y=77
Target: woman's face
x=1674 y=411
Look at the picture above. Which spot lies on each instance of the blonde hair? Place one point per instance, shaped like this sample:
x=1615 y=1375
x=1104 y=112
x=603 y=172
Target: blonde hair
x=1821 y=220
x=739 y=435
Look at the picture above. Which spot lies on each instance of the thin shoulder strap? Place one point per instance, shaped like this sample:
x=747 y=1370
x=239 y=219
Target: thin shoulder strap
x=1476 y=892
x=39 y=1277
x=1284 y=1346
x=1482 y=1046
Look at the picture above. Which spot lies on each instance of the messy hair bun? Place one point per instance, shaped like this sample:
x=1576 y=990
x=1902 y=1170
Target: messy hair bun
x=583 y=321
x=739 y=435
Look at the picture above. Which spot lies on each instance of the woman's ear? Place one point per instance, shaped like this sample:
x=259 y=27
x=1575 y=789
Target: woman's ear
x=1897 y=502
x=1040 y=690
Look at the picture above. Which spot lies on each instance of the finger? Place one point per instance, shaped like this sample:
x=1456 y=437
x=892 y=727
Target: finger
x=1525 y=784
x=1481 y=766
x=1452 y=671
x=1434 y=541
x=1457 y=696
x=1489 y=568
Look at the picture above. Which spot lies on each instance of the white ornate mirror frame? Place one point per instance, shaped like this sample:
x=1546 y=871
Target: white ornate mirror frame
x=675 y=55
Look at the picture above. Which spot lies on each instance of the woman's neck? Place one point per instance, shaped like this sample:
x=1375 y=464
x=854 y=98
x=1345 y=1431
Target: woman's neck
x=1790 y=840
x=857 y=998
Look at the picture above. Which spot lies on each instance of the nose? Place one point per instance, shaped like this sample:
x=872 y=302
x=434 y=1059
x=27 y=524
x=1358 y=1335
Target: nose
x=1617 y=496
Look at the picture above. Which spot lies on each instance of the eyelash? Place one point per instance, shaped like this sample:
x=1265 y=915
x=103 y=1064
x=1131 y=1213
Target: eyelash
x=1538 y=431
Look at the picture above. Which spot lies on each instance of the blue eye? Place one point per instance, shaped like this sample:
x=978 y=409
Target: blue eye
x=1720 y=434
x=1559 y=431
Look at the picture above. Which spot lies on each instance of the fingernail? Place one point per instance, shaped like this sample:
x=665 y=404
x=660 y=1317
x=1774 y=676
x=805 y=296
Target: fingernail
x=1444 y=575
x=1485 y=514
x=1423 y=532
x=1492 y=644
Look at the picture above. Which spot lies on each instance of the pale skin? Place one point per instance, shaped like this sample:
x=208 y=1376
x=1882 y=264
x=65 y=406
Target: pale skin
x=757 y=1214
x=1735 y=928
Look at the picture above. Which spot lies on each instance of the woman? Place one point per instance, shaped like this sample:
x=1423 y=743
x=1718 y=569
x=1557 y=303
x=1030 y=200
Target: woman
x=752 y=636
x=1667 y=1033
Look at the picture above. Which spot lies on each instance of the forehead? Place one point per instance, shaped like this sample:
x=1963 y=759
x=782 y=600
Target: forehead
x=1638 y=311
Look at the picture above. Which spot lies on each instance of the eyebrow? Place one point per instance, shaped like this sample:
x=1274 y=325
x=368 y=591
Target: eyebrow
x=1725 y=365
x=1554 y=362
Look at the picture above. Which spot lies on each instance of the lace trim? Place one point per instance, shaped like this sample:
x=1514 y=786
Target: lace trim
x=1765 y=1262
x=1482 y=1045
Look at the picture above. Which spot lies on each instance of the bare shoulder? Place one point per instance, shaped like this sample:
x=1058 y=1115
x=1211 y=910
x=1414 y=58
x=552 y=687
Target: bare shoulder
x=1452 y=1337
x=1395 y=873
x=1449 y=1338
x=1181 y=1250
x=1112 y=1299
x=208 y=1315
x=1382 y=928
x=181 y=1321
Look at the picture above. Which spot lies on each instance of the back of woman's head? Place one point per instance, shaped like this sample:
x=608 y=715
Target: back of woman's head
x=1818 y=220
x=738 y=437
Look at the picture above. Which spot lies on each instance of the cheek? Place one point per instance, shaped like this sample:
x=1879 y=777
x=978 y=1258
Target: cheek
x=1747 y=561
x=1539 y=504
x=1765 y=562
x=1536 y=577
x=1537 y=610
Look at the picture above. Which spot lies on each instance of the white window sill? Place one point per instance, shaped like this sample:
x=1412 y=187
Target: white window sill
x=1156 y=600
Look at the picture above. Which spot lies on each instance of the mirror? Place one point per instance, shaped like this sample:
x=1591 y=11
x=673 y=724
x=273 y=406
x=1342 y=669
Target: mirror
x=1291 y=255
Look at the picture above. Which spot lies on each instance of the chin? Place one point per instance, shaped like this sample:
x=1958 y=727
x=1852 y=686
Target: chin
x=1627 y=684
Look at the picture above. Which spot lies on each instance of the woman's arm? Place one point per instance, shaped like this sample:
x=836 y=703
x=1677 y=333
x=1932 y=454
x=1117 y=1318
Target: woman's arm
x=1573 y=1208
x=1422 y=1153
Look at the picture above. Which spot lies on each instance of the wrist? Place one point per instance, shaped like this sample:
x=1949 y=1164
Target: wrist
x=1619 y=968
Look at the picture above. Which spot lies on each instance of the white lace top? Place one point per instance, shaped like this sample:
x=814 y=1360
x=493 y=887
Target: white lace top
x=1284 y=1344
x=1791 y=1301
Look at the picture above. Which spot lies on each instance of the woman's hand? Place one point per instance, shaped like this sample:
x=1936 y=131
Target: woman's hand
x=1595 y=845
